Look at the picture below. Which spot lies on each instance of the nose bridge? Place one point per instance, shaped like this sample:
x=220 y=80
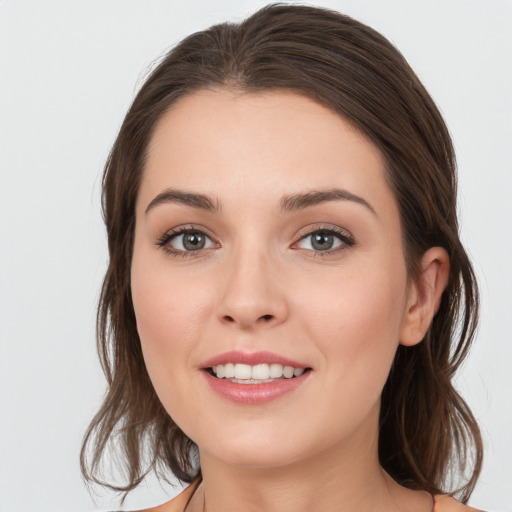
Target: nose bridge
x=251 y=294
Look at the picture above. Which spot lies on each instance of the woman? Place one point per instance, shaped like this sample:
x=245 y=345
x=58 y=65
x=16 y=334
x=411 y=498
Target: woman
x=287 y=297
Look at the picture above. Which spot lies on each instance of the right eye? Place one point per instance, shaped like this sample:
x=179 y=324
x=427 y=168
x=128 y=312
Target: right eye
x=186 y=240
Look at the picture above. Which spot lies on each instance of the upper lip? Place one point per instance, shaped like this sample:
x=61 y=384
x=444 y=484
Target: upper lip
x=252 y=359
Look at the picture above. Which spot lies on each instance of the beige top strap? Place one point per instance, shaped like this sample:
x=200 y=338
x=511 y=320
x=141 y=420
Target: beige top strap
x=448 y=504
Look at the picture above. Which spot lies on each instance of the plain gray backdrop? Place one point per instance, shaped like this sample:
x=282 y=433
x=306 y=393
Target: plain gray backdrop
x=68 y=72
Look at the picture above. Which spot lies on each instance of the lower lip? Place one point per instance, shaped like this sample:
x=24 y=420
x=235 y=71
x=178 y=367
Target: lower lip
x=254 y=394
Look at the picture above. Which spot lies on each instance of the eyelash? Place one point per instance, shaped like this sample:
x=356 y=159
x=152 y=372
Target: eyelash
x=167 y=237
x=346 y=241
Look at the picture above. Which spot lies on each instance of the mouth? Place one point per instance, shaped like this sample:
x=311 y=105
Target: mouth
x=239 y=373
x=254 y=378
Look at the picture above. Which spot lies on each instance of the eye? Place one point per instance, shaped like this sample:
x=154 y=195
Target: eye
x=325 y=240
x=185 y=240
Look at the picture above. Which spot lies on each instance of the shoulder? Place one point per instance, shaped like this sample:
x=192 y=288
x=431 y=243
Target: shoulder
x=178 y=503
x=449 y=504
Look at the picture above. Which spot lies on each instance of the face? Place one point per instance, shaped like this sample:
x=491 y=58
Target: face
x=267 y=244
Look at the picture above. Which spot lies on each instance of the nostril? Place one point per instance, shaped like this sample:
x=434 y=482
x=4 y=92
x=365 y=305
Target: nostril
x=263 y=319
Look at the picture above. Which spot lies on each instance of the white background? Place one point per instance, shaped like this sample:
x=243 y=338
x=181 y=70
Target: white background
x=68 y=72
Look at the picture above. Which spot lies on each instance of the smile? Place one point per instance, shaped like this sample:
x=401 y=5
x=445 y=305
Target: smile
x=254 y=378
x=255 y=374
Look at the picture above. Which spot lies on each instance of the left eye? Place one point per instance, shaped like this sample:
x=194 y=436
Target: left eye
x=322 y=240
x=189 y=241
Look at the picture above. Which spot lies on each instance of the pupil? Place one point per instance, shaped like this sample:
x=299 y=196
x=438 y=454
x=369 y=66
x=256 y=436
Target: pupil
x=322 y=241
x=193 y=241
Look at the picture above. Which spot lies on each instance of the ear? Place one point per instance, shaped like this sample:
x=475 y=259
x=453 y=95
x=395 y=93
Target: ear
x=424 y=296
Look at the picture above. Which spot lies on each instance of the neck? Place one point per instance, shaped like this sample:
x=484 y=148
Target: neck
x=344 y=478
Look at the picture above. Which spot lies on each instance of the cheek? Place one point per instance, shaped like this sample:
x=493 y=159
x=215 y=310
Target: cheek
x=168 y=305
x=169 y=311
x=356 y=321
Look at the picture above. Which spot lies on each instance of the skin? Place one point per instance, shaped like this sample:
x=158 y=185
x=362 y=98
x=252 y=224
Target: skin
x=260 y=285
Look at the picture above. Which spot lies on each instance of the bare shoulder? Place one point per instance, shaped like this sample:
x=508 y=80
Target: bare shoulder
x=449 y=504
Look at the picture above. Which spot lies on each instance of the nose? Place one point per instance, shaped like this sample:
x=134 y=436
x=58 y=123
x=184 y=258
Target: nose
x=253 y=293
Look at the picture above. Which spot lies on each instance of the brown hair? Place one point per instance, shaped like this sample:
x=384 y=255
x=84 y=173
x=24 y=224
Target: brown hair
x=427 y=432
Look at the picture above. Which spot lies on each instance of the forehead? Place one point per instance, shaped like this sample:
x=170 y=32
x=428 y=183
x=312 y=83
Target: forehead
x=224 y=142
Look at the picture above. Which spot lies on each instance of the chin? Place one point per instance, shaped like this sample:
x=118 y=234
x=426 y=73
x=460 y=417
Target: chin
x=257 y=448
x=255 y=457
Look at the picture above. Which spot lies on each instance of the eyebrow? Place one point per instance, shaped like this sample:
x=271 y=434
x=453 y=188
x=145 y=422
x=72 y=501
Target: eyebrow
x=315 y=197
x=288 y=203
x=172 y=195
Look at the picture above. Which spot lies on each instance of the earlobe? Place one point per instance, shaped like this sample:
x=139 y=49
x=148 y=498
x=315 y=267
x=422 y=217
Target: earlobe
x=425 y=296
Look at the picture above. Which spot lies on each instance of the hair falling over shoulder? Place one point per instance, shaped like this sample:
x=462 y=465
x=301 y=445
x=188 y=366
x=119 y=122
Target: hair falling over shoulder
x=427 y=432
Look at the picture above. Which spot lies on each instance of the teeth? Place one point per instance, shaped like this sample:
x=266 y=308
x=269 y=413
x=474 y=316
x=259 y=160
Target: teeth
x=276 y=371
x=288 y=372
x=259 y=372
x=229 y=371
x=242 y=371
x=220 y=371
